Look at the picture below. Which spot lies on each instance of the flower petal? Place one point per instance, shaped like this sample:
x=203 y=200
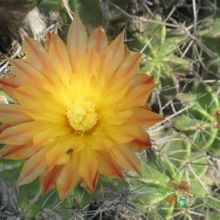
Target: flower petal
x=129 y=67
x=108 y=167
x=98 y=40
x=138 y=95
x=36 y=55
x=3 y=127
x=126 y=158
x=18 y=134
x=93 y=67
x=113 y=56
x=49 y=132
x=13 y=81
x=85 y=186
x=26 y=73
x=38 y=58
x=89 y=166
x=8 y=90
x=28 y=94
x=50 y=108
x=145 y=117
x=77 y=42
x=142 y=79
x=119 y=83
x=123 y=133
x=17 y=152
x=58 y=54
x=48 y=179
x=8 y=85
x=141 y=143
x=127 y=52
x=58 y=154
x=69 y=176
x=33 y=168
x=11 y=114
x=121 y=117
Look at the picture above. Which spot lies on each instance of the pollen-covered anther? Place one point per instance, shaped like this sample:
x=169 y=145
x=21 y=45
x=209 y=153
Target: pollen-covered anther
x=82 y=115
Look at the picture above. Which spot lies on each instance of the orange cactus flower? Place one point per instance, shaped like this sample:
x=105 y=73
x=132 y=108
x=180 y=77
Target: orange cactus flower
x=79 y=110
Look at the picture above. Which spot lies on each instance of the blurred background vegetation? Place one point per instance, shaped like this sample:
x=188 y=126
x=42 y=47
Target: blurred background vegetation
x=181 y=49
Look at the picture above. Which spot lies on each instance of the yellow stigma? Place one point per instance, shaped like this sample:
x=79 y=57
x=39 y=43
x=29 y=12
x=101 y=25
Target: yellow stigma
x=82 y=115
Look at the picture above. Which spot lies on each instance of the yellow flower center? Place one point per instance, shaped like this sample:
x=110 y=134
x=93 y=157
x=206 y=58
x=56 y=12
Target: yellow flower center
x=82 y=115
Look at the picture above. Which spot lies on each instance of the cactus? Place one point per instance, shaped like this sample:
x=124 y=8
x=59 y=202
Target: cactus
x=201 y=123
x=160 y=58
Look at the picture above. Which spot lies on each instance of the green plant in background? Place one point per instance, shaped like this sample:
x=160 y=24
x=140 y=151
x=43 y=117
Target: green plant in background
x=210 y=37
x=201 y=123
x=174 y=162
x=160 y=50
x=88 y=10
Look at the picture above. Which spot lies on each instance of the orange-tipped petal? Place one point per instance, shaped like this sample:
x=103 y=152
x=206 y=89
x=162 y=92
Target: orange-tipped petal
x=121 y=117
x=120 y=82
x=58 y=154
x=11 y=114
x=77 y=42
x=33 y=168
x=145 y=118
x=58 y=54
x=113 y=56
x=98 y=41
x=3 y=127
x=48 y=179
x=126 y=158
x=48 y=108
x=17 y=152
x=26 y=73
x=93 y=66
x=108 y=167
x=127 y=52
x=142 y=79
x=18 y=134
x=139 y=94
x=50 y=132
x=123 y=133
x=8 y=90
x=129 y=67
x=85 y=186
x=69 y=176
x=141 y=143
x=89 y=166
x=38 y=58
x=47 y=42
x=27 y=94
x=36 y=55
x=13 y=81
